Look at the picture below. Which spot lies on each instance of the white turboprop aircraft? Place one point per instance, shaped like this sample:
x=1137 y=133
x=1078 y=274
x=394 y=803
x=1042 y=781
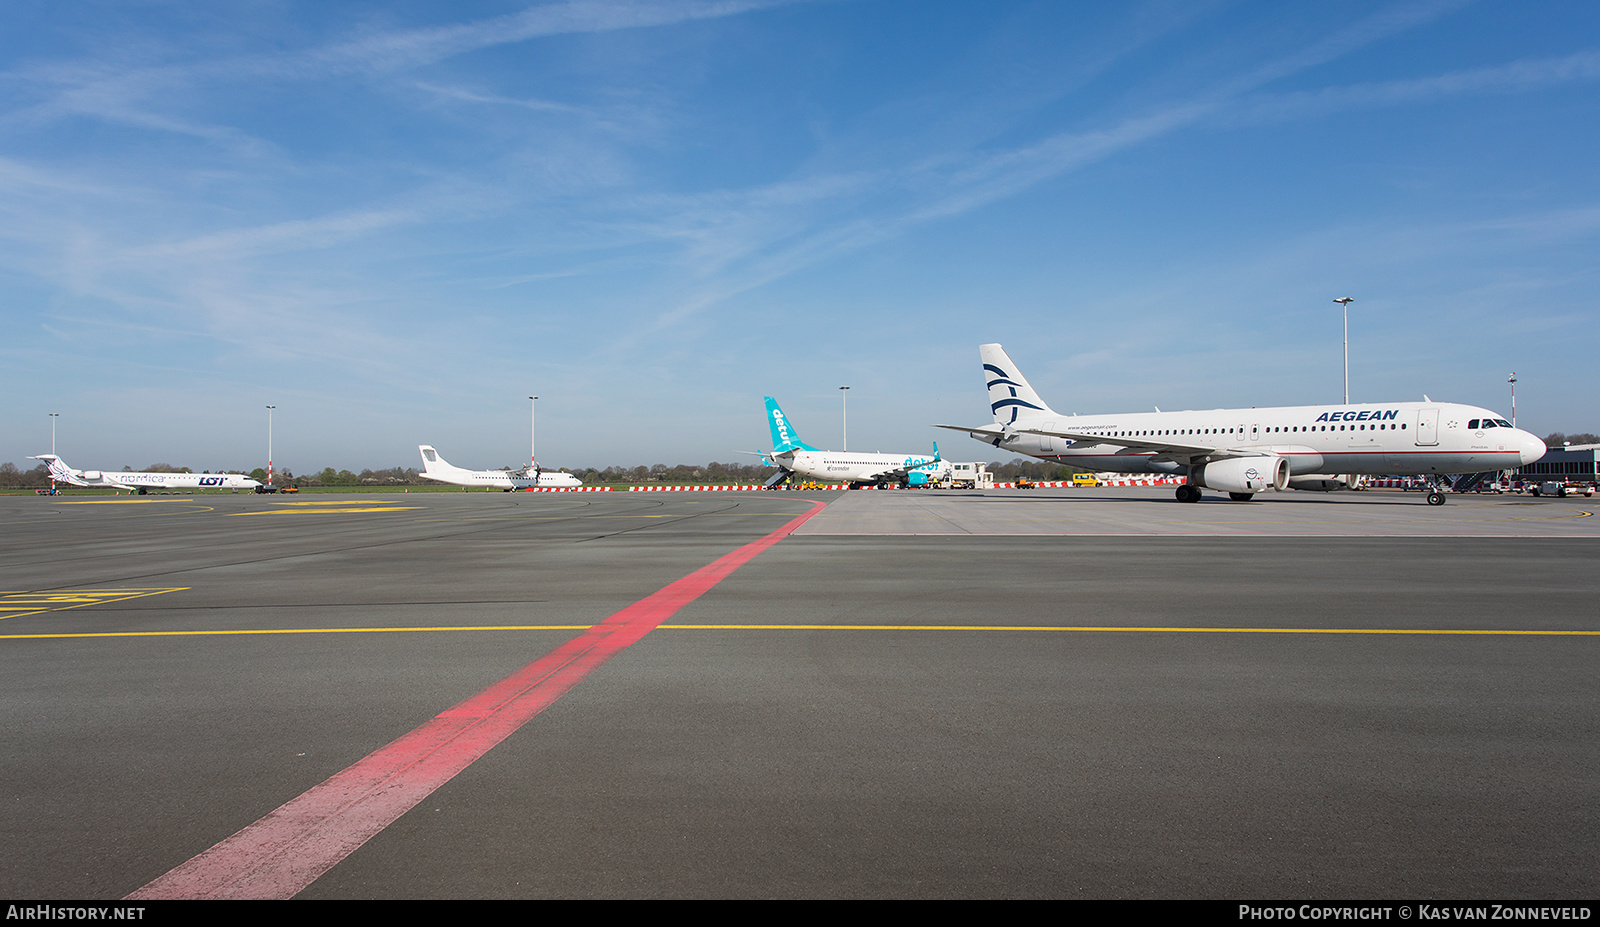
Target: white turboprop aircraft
x=435 y=467
x=1246 y=451
x=791 y=456
x=142 y=483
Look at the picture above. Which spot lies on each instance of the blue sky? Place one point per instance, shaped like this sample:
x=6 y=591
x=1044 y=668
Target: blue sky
x=396 y=221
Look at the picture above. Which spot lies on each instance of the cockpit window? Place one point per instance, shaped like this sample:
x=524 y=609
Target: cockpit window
x=1472 y=424
x=1503 y=423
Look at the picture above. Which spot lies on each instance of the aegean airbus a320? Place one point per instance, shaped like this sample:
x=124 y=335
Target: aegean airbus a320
x=1246 y=451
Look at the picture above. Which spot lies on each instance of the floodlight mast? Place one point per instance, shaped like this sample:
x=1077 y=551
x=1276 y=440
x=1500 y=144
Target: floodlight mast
x=1345 y=301
x=844 y=416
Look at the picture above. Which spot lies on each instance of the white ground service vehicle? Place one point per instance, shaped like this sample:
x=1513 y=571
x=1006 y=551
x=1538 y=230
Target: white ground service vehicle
x=967 y=476
x=1562 y=490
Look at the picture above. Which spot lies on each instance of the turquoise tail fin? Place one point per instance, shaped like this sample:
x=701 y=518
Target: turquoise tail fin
x=783 y=435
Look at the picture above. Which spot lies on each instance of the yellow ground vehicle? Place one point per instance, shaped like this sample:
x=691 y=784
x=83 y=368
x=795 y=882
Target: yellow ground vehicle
x=1084 y=479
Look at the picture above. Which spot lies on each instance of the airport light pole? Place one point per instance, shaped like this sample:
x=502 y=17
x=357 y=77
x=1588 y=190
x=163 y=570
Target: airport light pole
x=844 y=416
x=269 y=444
x=533 y=433
x=56 y=415
x=1512 y=381
x=1344 y=302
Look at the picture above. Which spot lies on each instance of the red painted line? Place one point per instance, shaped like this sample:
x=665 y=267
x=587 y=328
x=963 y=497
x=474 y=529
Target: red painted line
x=288 y=849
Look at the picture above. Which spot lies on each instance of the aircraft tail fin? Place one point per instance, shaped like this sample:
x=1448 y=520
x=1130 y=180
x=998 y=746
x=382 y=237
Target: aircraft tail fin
x=432 y=463
x=784 y=438
x=59 y=471
x=1010 y=396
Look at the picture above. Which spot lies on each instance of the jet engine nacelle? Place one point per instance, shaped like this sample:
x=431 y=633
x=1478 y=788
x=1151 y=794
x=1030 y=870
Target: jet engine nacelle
x=91 y=475
x=1242 y=474
x=1319 y=482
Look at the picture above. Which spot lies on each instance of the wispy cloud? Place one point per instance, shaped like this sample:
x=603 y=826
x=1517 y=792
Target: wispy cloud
x=397 y=50
x=468 y=96
x=756 y=241
x=132 y=94
x=296 y=235
x=1518 y=77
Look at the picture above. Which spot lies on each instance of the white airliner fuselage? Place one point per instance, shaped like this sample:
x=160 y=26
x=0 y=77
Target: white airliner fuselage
x=1244 y=451
x=435 y=467
x=143 y=483
x=851 y=467
x=794 y=457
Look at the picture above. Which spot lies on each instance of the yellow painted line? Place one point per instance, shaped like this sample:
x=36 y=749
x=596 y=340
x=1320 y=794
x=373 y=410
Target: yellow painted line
x=529 y=627
x=815 y=627
x=328 y=511
x=18 y=604
x=113 y=501
x=1081 y=628
x=334 y=502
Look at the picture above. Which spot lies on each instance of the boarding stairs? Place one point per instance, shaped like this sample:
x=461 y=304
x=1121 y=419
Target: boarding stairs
x=1467 y=482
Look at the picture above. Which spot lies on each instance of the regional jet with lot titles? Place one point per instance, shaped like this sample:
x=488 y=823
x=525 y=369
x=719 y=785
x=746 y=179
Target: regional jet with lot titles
x=1246 y=451
x=792 y=456
x=435 y=467
x=143 y=483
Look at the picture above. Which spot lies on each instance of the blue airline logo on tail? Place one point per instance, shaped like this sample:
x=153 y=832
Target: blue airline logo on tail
x=1004 y=379
x=783 y=437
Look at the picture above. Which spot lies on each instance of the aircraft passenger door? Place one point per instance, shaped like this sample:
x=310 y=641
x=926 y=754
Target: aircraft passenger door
x=1046 y=442
x=1428 y=428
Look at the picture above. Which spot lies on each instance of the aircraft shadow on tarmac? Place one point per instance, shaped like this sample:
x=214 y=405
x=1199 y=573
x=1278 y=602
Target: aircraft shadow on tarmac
x=1146 y=500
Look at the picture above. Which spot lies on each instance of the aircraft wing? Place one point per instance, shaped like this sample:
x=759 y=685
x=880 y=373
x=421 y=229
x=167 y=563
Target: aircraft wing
x=1148 y=443
x=997 y=432
x=895 y=474
x=1162 y=446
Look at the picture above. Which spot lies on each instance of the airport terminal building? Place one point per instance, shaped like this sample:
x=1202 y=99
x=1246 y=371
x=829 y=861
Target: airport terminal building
x=1573 y=462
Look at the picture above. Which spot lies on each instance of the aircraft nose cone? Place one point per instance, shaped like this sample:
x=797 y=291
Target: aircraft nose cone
x=1532 y=448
